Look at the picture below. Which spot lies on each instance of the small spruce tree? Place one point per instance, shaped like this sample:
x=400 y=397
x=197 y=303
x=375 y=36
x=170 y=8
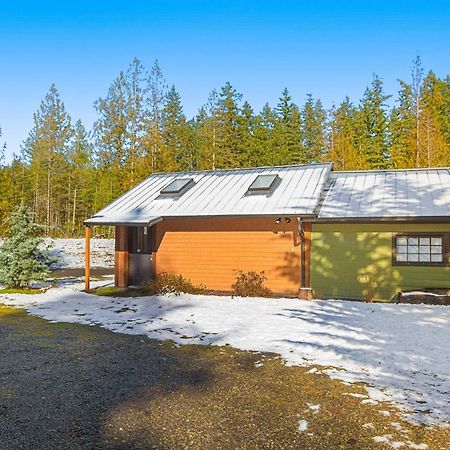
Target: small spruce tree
x=22 y=256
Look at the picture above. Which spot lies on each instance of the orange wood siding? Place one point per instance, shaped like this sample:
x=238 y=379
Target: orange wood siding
x=210 y=251
x=121 y=257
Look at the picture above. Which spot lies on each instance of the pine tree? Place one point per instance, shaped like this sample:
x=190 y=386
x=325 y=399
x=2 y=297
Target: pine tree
x=373 y=127
x=22 y=258
x=313 y=130
x=228 y=127
x=403 y=130
x=246 y=131
x=81 y=179
x=287 y=132
x=434 y=122
x=205 y=126
x=265 y=150
x=177 y=154
x=342 y=136
x=110 y=133
x=157 y=90
x=45 y=150
x=136 y=121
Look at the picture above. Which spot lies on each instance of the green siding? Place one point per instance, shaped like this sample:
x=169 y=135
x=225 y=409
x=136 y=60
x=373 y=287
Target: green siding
x=355 y=261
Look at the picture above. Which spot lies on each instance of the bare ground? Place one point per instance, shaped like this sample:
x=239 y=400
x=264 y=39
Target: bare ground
x=74 y=386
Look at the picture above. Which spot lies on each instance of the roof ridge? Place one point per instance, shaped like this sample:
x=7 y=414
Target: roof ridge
x=281 y=166
x=412 y=169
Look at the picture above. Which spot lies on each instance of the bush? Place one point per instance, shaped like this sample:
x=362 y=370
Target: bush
x=251 y=284
x=167 y=283
x=22 y=258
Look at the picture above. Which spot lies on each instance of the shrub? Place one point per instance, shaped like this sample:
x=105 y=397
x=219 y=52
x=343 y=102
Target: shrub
x=251 y=284
x=22 y=258
x=167 y=283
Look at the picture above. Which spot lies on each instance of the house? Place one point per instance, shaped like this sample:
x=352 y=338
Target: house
x=337 y=234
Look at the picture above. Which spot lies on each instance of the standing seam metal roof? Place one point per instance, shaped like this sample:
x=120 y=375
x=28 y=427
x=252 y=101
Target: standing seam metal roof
x=219 y=193
x=407 y=193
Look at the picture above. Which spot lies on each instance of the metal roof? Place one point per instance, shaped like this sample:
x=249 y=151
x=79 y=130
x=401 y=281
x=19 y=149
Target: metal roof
x=219 y=193
x=384 y=194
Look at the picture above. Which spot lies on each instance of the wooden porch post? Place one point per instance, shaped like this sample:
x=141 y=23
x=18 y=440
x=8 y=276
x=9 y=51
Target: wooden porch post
x=87 y=267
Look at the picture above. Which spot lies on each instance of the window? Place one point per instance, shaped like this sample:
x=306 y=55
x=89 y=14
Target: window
x=264 y=183
x=419 y=250
x=177 y=186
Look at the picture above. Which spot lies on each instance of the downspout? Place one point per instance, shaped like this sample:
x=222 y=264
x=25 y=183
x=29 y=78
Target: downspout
x=304 y=292
x=301 y=233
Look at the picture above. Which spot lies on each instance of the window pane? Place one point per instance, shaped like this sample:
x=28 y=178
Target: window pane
x=402 y=257
x=424 y=241
x=436 y=258
x=413 y=249
x=424 y=249
x=402 y=241
x=402 y=249
x=413 y=257
x=436 y=249
x=413 y=241
x=425 y=258
x=436 y=241
x=176 y=186
x=263 y=182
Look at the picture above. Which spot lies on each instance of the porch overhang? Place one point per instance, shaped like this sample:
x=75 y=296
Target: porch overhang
x=126 y=220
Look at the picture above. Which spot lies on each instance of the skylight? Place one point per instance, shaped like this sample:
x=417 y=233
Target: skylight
x=264 y=183
x=177 y=186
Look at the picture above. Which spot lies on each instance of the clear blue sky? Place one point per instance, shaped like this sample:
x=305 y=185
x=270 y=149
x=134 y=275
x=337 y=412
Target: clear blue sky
x=327 y=48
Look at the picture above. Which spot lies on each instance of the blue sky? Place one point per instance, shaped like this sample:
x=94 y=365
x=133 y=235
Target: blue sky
x=327 y=48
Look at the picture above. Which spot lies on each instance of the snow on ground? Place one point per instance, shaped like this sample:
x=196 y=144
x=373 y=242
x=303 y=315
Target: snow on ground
x=401 y=351
x=70 y=253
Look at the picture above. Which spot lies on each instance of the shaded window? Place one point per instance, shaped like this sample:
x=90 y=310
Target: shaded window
x=420 y=250
x=177 y=186
x=264 y=183
x=140 y=240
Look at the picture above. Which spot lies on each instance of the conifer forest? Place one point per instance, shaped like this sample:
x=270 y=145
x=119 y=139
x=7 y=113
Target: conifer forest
x=66 y=172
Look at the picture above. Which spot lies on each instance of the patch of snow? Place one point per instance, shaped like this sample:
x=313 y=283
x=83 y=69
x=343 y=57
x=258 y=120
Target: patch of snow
x=314 y=408
x=369 y=401
x=400 y=351
x=302 y=425
x=354 y=394
x=388 y=439
x=70 y=253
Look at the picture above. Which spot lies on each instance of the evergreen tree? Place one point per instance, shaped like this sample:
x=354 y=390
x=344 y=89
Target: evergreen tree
x=179 y=153
x=205 y=126
x=373 y=127
x=136 y=121
x=287 y=132
x=265 y=150
x=434 y=123
x=81 y=179
x=342 y=137
x=313 y=130
x=110 y=133
x=228 y=127
x=45 y=150
x=403 y=130
x=157 y=89
x=246 y=131
x=22 y=258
